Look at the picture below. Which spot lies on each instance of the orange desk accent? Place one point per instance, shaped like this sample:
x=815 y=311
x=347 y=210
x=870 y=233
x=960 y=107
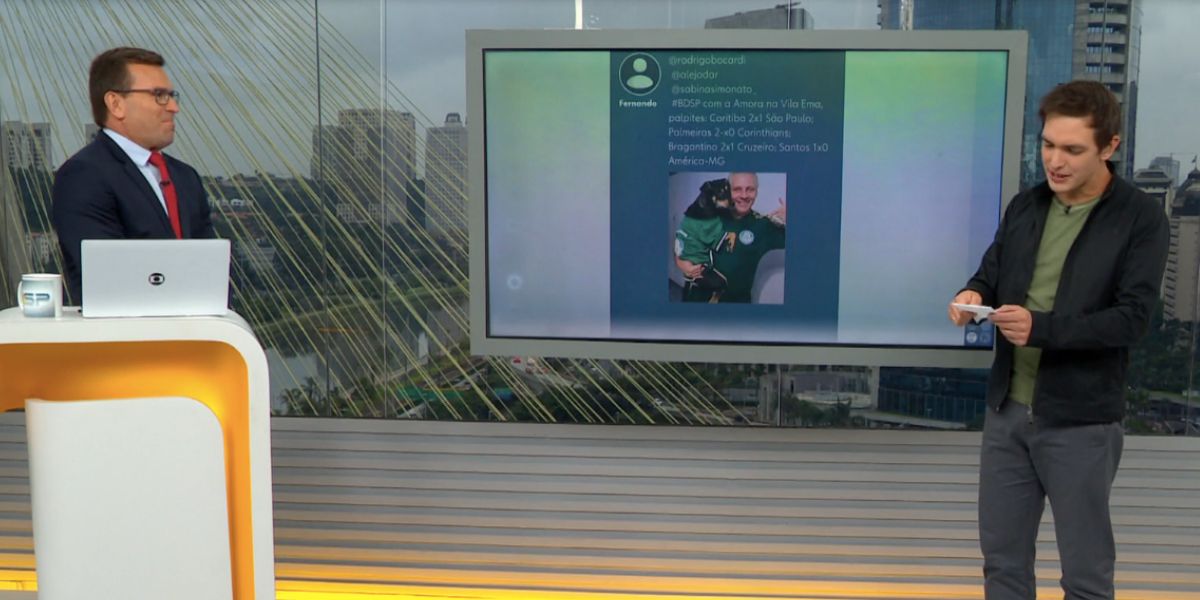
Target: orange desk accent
x=215 y=360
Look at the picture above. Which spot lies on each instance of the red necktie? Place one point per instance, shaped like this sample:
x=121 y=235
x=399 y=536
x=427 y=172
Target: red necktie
x=168 y=191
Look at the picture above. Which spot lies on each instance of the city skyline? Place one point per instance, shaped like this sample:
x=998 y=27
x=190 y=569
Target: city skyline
x=1169 y=78
x=417 y=70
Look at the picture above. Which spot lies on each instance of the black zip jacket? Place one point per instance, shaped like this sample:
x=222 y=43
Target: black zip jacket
x=1106 y=295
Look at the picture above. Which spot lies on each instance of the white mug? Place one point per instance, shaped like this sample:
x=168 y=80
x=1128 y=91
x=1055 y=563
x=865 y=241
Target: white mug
x=40 y=295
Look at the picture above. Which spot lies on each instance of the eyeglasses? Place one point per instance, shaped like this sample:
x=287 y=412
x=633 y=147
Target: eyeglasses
x=161 y=95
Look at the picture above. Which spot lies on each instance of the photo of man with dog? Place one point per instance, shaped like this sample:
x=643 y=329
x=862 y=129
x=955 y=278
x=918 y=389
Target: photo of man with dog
x=723 y=251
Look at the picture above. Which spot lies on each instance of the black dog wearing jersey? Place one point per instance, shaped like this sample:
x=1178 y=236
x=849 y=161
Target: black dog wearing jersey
x=701 y=228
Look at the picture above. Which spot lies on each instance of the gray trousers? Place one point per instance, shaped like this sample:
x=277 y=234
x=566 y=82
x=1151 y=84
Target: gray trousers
x=1023 y=461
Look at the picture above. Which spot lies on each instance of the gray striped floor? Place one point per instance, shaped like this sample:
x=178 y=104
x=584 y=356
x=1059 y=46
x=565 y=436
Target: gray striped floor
x=443 y=509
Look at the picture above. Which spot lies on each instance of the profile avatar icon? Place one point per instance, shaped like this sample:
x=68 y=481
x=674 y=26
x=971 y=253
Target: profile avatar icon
x=639 y=81
x=639 y=74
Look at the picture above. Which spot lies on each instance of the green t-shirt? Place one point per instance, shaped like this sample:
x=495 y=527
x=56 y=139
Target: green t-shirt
x=745 y=242
x=1062 y=227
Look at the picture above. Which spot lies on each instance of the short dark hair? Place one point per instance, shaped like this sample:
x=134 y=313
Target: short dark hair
x=110 y=71
x=1085 y=99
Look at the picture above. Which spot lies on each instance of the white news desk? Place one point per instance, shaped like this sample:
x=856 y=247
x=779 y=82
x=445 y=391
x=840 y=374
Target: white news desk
x=149 y=445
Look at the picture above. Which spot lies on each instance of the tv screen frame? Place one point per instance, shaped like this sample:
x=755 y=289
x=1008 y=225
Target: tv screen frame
x=479 y=42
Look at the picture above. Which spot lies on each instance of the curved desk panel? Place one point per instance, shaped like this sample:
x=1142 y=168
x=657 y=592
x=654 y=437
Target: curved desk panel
x=214 y=360
x=128 y=491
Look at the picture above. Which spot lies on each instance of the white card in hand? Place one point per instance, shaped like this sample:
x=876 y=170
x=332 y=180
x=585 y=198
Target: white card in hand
x=981 y=312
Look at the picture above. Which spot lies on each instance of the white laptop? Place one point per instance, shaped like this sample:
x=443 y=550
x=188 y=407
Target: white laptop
x=155 y=278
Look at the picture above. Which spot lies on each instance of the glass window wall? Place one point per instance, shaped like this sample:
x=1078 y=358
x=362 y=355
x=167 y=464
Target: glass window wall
x=332 y=138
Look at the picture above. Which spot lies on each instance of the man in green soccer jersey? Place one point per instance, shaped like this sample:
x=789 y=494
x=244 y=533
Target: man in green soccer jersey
x=748 y=235
x=1074 y=273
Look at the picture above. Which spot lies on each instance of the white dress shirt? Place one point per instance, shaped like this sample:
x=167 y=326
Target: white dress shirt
x=140 y=157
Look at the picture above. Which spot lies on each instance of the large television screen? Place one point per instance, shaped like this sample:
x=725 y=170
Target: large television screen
x=740 y=196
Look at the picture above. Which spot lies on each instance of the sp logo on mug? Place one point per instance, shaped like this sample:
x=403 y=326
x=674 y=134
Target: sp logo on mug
x=40 y=295
x=35 y=299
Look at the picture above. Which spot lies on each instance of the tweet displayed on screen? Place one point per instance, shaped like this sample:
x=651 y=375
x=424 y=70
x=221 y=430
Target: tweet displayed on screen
x=759 y=196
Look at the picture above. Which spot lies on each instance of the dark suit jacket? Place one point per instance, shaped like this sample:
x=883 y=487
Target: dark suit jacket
x=100 y=194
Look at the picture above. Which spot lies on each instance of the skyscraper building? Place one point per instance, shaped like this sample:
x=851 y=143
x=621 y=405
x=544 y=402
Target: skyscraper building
x=782 y=16
x=26 y=145
x=446 y=176
x=1098 y=40
x=1110 y=52
x=1183 y=258
x=22 y=146
x=1158 y=185
x=934 y=14
x=1168 y=165
x=350 y=154
x=10 y=230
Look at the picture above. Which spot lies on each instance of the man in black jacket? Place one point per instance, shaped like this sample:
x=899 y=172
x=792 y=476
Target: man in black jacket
x=1074 y=274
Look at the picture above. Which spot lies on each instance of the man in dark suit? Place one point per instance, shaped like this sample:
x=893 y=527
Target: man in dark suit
x=120 y=186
